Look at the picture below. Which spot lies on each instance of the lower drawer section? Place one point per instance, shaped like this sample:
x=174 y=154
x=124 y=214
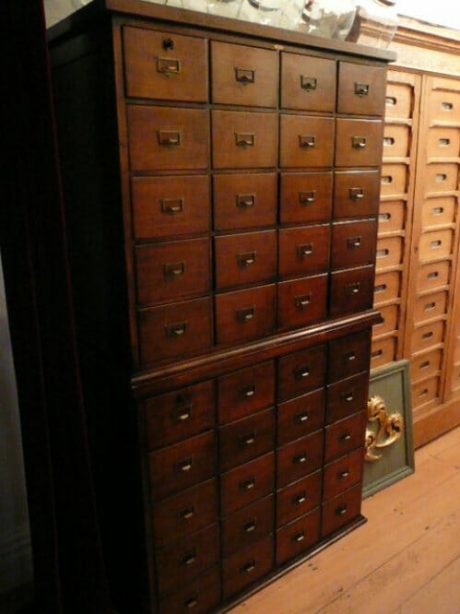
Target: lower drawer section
x=341 y=510
x=244 y=568
x=297 y=537
x=201 y=595
x=247 y=526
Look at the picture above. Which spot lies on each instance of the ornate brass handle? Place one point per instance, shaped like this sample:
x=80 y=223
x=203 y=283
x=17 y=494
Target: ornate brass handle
x=172 y=206
x=245 y=201
x=306 y=198
x=245 y=139
x=169 y=138
x=307 y=141
x=245 y=76
x=308 y=83
x=361 y=89
x=168 y=66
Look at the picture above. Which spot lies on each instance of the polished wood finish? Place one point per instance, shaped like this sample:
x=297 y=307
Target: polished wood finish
x=348 y=356
x=299 y=458
x=346 y=397
x=339 y=510
x=353 y=244
x=303 y=250
x=300 y=416
x=305 y=197
x=247 y=566
x=202 y=594
x=343 y=436
x=361 y=89
x=359 y=142
x=248 y=526
x=302 y=301
x=307 y=83
x=306 y=141
x=356 y=194
x=343 y=474
x=351 y=290
x=298 y=498
x=295 y=538
x=301 y=372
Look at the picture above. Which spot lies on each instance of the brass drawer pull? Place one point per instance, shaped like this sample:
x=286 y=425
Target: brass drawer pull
x=168 y=66
x=169 y=138
x=185 y=466
x=302 y=302
x=248 y=484
x=352 y=289
x=249 y=391
x=245 y=201
x=183 y=413
x=172 y=206
x=247 y=440
x=356 y=194
x=305 y=250
x=174 y=270
x=308 y=84
x=307 y=198
x=301 y=418
x=250 y=527
x=245 y=76
x=188 y=513
x=299 y=537
x=302 y=373
x=246 y=314
x=361 y=89
x=307 y=141
x=176 y=330
x=341 y=511
x=343 y=475
x=245 y=260
x=300 y=498
x=249 y=567
x=300 y=459
x=191 y=603
x=189 y=558
x=348 y=397
x=345 y=437
x=350 y=356
x=354 y=242
x=358 y=142
x=245 y=139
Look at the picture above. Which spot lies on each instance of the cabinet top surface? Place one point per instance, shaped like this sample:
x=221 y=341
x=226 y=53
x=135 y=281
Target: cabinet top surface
x=165 y=14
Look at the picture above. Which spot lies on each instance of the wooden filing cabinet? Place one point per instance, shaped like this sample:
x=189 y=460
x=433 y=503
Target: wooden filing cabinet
x=222 y=190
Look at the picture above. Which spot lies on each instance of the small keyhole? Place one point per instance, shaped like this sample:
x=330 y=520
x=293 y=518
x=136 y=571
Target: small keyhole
x=168 y=44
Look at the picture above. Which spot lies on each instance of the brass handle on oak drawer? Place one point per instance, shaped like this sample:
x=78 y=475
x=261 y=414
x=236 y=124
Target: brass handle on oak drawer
x=302 y=302
x=300 y=459
x=248 y=484
x=185 y=465
x=340 y=511
x=348 y=397
x=301 y=418
x=168 y=66
x=172 y=206
x=174 y=270
x=302 y=373
x=306 y=198
x=245 y=201
x=308 y=83
x=171 y=138
x=353 y=288
x=183 y=413
x=358 y=142
x=176 y=330
x=245 y=139
x=361 y=89
x=343 y=475
x=354 y=242
x=356 y=194
x=247 y=440
x=244 y=260
x=250 y=527
x=305 y=250
x=299 y=499
x=299 y=537
x=246 y=314
x=307 y=141
x=245 y=76
x=345 y=437
x=250 y=566
x=249 y=391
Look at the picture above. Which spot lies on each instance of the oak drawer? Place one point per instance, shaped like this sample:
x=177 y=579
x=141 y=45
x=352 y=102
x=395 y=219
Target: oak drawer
x=359 y=142
x=244 y=568
x=396 y=141
x=427 y=336
x=389 y=252
x=430 y=306
x=436 y=244
x=387 y=287
x=247 y=526
x=394 y=180
x=432 y=276
x=348 y=355
x=305 y=198
x=439 y=211
x=301 y=416
x=425 y=391
x=299 y=458
x=347 y=397
x=356 y=193
x=303 y=251
x=344 y=436
x=307 y=83
x=341 y=510
x=247 y=483
x=383 y=351
x=201 y=595
x=392 y=216
x=301 y=372
x=399 y=100
x=443 y=142
x=343 y=474
x=389 y=320
x=302 y=301
x=426 y=365
x=295 y=538
x=444 y=105
x=361 y=89
x=351 y=291
x=441 y=177
x=353 y=243
x=298 y=498
x=306 y=141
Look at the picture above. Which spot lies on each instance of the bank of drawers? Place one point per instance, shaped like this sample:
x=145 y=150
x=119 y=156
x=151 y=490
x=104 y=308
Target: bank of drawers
x=258 y=464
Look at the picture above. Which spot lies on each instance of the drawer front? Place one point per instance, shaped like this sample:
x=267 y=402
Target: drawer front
x=297 y=537
x=243 y=75
x=359 y=142
x=426 y=365
x=246 y=439
x=392 y=216
x=245 y=201
x=303 y=251
x=298 y=459
x=165 y=66
x=182 y=561
x=245 y=258
x=353 y=243
x=298 y=498
x=344 y=436
x=342 y=474
x=201 y=595
x=361 y=89
x=351 y=291
x=305 y=198
x=347 y=397
x=443 y=142
x=387 y=287
x=306 y=141
x=244 y=568
x=356 y=194
x=430 y=306
x=175 y=416
x=437 y=244
x=399 y=100
x=185 y=513
x=442 y=177
x=396 y=141
x=307 y=83
x=425 y=392
x=341 y=510
x=244 y=392
x=182 y=329
x=301 y=416
x=348 y=355
x=172 y=271
x=302 y=301
x=439 y=211
x=183 y=465
x=246 y=484
x=247 y=526
x=170 y=206
x=244 y=140
x=394 y=179
x=161 y=138
x=428 y=336
x=383 y=351
x=432 y=276
x=245 y=315
x=444 y=105
x=301 y=372
x=390 y=317
x=389 y=252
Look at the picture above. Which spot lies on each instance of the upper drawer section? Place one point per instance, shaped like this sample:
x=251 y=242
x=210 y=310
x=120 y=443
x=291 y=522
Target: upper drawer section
x=306 y=141
x=359 y=142
x=165 y=66
x=361 y=89
x=307 y=83
x=243 y=75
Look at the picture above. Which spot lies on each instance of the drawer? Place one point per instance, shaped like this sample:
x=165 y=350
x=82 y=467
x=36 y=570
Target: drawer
x=426 y=365
x=301 y=372
x=396 y=141
x=244 y=139
x=299 y=458
x=426 y=336
x=356 y=193
x=389 y=252
x=170 y=331
x=306 y=141
x=297 y=537
x=425 y=391
x=247 y=526
x=245 y=76
x=361 y=89
x=383 y=351
x=185 y=513
x=390 y=317
x=341 y=510
x=436 y=244
x=441 y=177
x=170 y=206
x=244 y=568
x=244 y=485
x=172 y=271
x=399 y=100
x=439 y=211
x=178 y=415
x=347 y=397
x=444 y=105
x=202 y=595
x=359 y=142
x=302 y=301
x=245 y=201
x=432 y=276
x=244 y=392
x=183 y=560
x=303 y=251
x=342 y=474
x=245 y=315
x=349 y=355
x=165 y=66
x=394 y=179
x=351 y=291
x=392 y=216
x=353 y=244
x=344 y=436
x=307 y=83
x=430 y=306
x=301 y=416
x=298 y=498
x=246 y=439
x=443 y=143
x=305 y=198
x=387 y=287
x=182 y=465
x=163 y=138
x=244 y=259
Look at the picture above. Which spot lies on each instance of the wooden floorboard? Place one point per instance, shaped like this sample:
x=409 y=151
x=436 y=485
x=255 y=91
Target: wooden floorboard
x=403 y=560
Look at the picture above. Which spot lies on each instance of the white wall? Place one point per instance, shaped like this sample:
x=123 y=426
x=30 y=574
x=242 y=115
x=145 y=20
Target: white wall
x=441 y=12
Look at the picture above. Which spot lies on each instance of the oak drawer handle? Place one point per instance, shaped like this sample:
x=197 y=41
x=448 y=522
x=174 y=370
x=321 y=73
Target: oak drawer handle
x=250 y=527
x=247 y=440
x=358 y=142
x=307 y=198
x=302 y=373
x=245 y=76
x=361 y=89
x=345 y=437
x=350 y=356
x=343 y=475
x=301 y=418
x=300 y=459
x=245 y=201
x=300 y=498
x=173 y=270
x=341 y=511
x=307 y=141
x=249 y=567
x=183 y=413
x=245 y=139
x=249 y=391
x=305 y=250
x=169 y=138
x=299 y=537
x=354 y=242
x=176 y=330
x=248 y=484
x=172 y=206
x=245 y=260
x=168 y=66
x=189 y=558
x=302 y=302
x=185 y=466
x=191 y=603
x=308 y=84
x=356 y=194
x=246 y=314
x=352 y=289
x=188 y=513
x=348 y=397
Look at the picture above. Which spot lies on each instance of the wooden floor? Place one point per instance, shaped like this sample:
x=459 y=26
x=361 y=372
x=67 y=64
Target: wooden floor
x=405 y=560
